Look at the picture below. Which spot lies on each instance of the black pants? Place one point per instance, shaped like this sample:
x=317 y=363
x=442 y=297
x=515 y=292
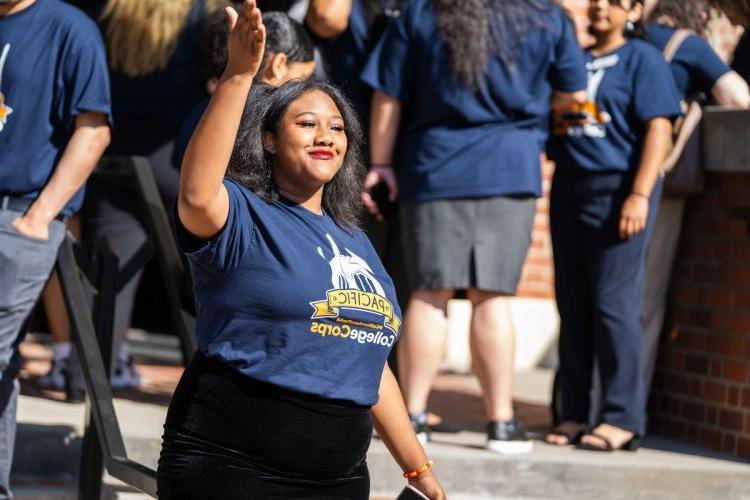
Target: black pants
x=230 y=437
x=599 y=281
x=113 y=211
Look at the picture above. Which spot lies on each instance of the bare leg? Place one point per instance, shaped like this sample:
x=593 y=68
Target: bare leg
x=493 y=352
x=52 y=298
x=422 y=345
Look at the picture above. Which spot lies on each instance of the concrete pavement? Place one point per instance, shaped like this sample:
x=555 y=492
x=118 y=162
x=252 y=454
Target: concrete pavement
x=48 y=446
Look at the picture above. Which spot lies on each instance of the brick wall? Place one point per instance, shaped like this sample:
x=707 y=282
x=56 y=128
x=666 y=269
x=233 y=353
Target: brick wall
x=702 y=386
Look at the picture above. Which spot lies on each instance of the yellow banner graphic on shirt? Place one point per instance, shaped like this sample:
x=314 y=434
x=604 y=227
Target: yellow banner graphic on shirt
x=356 y=299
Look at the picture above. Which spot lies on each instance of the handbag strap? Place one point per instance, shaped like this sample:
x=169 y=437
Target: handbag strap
x=674 y=44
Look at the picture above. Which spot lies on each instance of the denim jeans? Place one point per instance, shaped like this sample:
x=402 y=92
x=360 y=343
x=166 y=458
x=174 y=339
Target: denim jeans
x=25 y=266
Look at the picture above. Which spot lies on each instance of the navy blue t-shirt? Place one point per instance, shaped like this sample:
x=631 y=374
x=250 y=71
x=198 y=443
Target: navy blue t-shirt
x=459 y=143
x=150 y=109
x=627 y=87
x=346 y=55
x=52 y=68
x=695 y=67
x=288 y=297
x=186 y=132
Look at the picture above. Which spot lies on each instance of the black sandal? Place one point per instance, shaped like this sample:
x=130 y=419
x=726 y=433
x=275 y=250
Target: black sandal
x=573 y=437
x=631 y=444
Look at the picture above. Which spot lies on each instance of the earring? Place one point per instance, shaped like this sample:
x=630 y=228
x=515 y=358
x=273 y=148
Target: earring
x=630 y=27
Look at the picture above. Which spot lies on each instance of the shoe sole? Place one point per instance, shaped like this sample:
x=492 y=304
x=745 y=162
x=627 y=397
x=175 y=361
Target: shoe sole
x=509 y=447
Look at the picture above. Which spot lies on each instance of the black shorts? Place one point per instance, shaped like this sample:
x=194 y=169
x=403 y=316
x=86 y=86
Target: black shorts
x=229 y=436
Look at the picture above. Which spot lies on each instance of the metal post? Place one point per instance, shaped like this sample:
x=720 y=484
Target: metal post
x=95 y=372
x=169 y=256
x=92 y=466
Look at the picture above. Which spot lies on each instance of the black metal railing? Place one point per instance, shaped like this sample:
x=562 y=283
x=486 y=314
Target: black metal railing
x=90 y=286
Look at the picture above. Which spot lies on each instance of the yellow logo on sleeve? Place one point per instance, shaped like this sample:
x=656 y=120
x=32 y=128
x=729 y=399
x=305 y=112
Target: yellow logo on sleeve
x=5 y=110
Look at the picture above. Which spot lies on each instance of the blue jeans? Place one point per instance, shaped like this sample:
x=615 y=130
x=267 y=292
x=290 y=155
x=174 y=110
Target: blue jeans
x=25 y=266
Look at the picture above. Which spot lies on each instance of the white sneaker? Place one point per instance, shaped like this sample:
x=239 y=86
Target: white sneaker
x=508 y=438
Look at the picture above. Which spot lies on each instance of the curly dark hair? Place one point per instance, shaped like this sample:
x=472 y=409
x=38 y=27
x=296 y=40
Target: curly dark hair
x=284 y=35
x=474 y=29
x=252 y=166
x=683 y=14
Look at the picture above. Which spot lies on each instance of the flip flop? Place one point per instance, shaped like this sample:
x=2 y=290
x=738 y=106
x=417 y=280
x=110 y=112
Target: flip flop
x=572 y=437
x=631 y=444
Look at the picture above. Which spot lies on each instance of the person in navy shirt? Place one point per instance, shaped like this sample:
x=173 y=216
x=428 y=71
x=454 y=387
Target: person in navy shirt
x=698 y=71
x=462 y=117
x=296 y=315
x=54 y=125
x=605 y=193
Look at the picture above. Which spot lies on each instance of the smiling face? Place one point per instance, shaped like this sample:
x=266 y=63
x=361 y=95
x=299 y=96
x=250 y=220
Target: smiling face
x=310 y=143
x=612 y=16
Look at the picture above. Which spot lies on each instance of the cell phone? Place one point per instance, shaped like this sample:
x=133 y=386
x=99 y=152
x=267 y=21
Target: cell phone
x=411 y=493
x=387 y=208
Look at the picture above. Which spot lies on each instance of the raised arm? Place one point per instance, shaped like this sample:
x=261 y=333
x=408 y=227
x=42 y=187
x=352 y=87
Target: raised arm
x=393 y=426
x=384 y=122
x=203 y=201
x=731 y=90
x=89 y=140
x=328 y=18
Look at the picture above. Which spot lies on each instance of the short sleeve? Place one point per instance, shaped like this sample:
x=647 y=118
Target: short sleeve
x=655 y=94
x=85 y=77
x=703 y=64
x=224 y=251
x=568 y=72
x=388 y=69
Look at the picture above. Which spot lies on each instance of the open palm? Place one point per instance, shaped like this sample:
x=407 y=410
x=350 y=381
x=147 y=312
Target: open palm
x=247 y=40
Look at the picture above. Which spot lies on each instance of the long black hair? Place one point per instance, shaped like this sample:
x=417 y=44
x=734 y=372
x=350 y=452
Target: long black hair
x=252 y=166
x=683 y=14
x=284 y=35
x=472 y=30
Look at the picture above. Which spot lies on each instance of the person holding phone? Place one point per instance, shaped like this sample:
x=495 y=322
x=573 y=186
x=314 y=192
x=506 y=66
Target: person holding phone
x=460 y=108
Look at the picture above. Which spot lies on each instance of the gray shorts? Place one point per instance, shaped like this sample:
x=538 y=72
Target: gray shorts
x=467 y=243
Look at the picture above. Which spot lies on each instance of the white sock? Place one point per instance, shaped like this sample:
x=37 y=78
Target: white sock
x=61 y=350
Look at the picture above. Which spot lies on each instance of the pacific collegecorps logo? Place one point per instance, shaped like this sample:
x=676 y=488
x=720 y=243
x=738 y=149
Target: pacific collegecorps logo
x=5 y=110
x=354 y=287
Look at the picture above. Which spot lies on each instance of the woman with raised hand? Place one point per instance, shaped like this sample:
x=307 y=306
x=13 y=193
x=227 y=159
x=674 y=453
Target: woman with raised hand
x=606 y=189
x=296 y=315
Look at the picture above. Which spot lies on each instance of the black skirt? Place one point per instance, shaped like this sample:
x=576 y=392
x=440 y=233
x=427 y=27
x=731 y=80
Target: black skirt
x=231 y=437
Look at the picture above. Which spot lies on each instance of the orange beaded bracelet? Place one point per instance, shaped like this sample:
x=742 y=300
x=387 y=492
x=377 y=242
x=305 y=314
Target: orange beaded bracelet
x=421 y=470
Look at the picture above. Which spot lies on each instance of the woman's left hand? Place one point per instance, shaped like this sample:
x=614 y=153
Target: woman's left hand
x=633 y=216
x=428 y=484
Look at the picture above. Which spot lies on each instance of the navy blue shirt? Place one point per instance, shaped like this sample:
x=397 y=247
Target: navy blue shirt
x=288 y=297
x=346 y=55
x=150 y=109
x=695 y=67
x=52 y=68
x=459 y=143
x=186 y=132
x=627 y=87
